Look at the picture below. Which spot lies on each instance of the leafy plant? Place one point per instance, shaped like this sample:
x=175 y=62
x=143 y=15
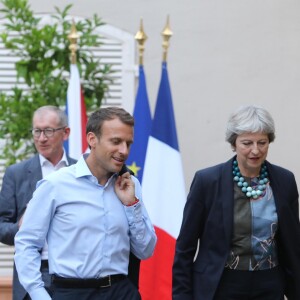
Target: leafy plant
x=43 y=65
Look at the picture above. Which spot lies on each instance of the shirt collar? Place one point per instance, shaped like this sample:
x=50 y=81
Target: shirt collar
x=82 y=169
x=44 y=160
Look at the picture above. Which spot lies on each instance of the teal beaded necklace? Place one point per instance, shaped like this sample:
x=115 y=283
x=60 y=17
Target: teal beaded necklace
x=249 y=191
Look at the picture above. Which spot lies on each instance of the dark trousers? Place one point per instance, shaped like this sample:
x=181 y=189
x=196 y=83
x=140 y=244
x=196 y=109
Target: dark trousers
x=251 y=285
x=122 y=290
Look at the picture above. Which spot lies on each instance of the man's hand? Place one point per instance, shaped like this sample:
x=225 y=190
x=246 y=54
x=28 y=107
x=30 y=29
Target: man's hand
x=124 y=188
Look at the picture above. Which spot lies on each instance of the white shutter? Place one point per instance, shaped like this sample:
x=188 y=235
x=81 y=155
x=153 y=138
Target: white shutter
x=6 y=252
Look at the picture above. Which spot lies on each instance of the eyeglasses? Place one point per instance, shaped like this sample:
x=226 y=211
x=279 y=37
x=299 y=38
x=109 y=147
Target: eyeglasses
x=48 y=132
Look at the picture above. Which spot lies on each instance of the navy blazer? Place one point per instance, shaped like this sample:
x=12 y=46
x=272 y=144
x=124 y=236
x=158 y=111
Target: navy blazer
x=18 y=185
x=208 y=218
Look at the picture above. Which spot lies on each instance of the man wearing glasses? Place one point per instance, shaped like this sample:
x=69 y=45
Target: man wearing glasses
x=49 y=130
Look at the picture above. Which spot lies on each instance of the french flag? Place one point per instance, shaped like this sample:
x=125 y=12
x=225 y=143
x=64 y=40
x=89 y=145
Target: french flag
x=77 y=118
x=163 y=194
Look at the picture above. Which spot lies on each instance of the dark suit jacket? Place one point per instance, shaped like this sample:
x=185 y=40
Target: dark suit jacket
x=19 y=183
x=208 y=217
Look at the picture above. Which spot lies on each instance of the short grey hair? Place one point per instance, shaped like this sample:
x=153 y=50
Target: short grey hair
x=61 y=115
x=250 y=119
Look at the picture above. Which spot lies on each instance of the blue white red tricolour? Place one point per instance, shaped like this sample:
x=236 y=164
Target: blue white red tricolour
x=164 y=195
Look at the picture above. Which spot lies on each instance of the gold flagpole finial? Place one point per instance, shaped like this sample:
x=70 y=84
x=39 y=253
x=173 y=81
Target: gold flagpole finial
x=73 y=37
x=141 y=37
x=166 y=34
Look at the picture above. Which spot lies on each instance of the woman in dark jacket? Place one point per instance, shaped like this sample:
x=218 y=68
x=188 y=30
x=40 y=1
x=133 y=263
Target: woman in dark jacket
x=240 y=234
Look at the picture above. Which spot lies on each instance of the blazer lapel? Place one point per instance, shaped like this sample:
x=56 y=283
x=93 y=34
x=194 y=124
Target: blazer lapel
x=226 y=191
x=275 y=184
x=34 y=172
x=71 y=161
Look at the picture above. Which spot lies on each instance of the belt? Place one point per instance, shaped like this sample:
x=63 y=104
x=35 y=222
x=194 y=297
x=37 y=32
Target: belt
x=44 y=264
x=103 y=282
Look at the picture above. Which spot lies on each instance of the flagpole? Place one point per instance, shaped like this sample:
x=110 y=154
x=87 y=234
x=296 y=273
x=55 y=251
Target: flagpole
x=73 y=37
x=141 y=38
x=166 y=34
x=75 y=105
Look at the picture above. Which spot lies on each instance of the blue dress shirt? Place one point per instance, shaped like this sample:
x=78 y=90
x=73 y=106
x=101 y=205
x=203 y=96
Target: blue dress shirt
x=89 y=231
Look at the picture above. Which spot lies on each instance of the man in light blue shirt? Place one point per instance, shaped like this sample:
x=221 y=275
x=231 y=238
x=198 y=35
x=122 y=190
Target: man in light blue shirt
x=92 y=217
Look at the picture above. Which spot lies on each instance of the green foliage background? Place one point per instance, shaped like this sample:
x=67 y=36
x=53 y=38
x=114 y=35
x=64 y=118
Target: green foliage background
x=44 y=66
